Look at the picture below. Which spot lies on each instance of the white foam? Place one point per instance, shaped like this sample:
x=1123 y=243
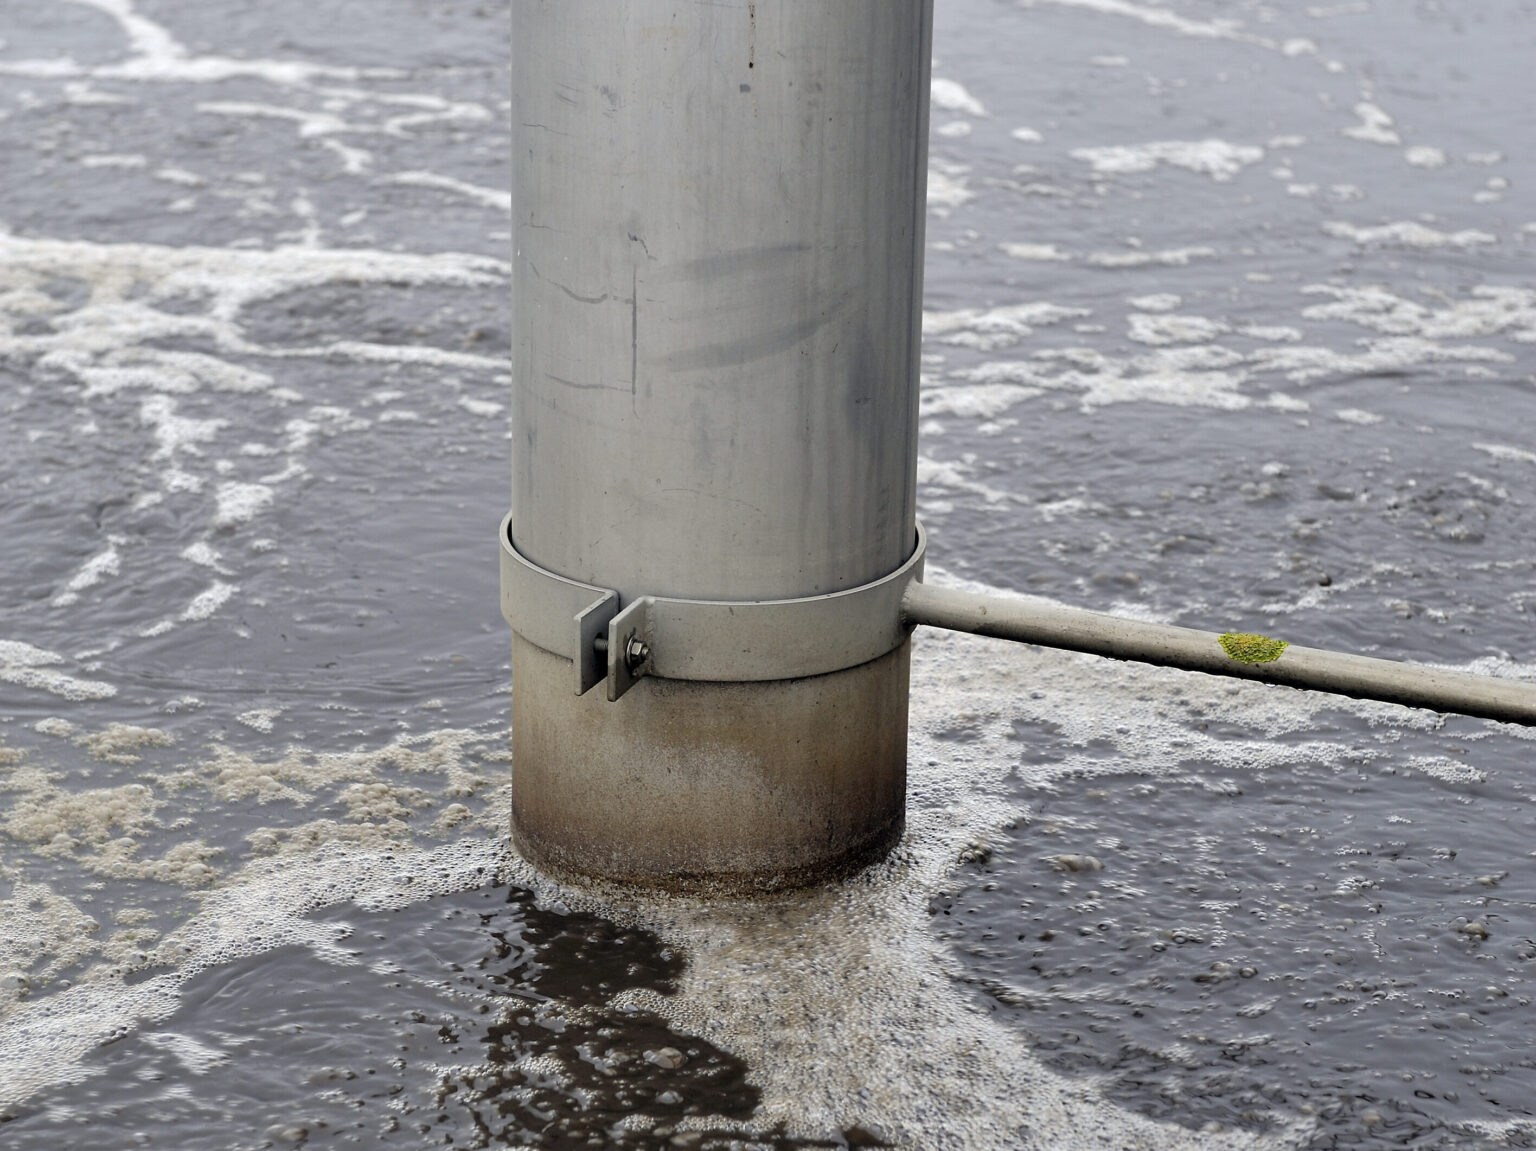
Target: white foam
x=947 y=186
x=1506 y=452
x=176 y=434
x=1168 y=376
x=1304 y=364
x=1047 y=253
x=44 y=933
x=102 y=565
x=1052 y=510
x=354 y=161
x=1162 y=328
x=1162 y=18
x=955 y=476
x=116 y=743
x=1027 y=135
x=489 y=197
x=1375 y=126
x=1445 y=769
x=1425 y=156
x=260 y=718
x=1487 y=311
x=82 y=95
x=114 y=160
x=1357 y=416
x=310 y=124
x=952 y=96
x=208 y=601
x=1271 y=333
x=1157 y=302
x=181 y=177
x=1407 y=234
x=1217 y=159
x=1186 y=367
x=239 y=503
x=1166 y=258
x=32 y=667
x=156 y=56
x=980 y=401
x=203 y=554
x=990 y=328
x=480 y=407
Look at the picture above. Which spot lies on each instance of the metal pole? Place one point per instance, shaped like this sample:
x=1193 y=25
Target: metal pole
x=1242 y=656
x=718 y=212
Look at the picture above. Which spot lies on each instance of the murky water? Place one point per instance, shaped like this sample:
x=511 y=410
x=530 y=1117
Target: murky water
x=1230 y=322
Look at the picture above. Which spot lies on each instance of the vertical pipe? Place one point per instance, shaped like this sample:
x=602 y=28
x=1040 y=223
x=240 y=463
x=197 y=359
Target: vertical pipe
x=718 y=212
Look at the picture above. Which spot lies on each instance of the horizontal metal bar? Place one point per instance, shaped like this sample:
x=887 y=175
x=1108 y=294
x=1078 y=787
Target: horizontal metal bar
x=1257 y=658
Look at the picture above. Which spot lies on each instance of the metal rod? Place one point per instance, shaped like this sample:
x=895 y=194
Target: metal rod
x=1167 y=646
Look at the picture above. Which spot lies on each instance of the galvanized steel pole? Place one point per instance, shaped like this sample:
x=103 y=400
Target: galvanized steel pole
x=718 y=212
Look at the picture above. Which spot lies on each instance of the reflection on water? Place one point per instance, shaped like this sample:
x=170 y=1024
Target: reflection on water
x=468 y=1020
x=1229 y=321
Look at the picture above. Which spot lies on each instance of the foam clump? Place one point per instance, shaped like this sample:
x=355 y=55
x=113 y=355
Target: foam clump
x=43 y=814
x=1408 y=234
x=239 y=503
x=1375 y=126
x=1167 y=328
x=952 y=96
x=99 y=567
x=28 y=666
x=44 y=934
x=1217 y=159
x=118 y=742
x=988 y=328
x=206 y=603
x=185 y=864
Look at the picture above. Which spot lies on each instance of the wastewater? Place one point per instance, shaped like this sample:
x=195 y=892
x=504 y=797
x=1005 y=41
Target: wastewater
x=1229 y=322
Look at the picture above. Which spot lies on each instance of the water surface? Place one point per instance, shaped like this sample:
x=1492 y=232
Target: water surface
x=1230 y=322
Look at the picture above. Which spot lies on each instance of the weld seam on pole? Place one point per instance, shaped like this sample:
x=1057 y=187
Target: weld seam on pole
x=1358 y=676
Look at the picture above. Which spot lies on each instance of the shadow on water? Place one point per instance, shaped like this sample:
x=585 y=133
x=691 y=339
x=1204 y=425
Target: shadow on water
x=479 y=1019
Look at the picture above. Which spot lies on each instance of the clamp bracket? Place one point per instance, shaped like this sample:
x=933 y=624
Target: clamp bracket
x=720 y=641
x=560 y=615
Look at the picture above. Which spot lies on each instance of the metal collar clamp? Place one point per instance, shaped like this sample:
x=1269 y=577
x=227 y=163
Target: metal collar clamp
x=722 y=641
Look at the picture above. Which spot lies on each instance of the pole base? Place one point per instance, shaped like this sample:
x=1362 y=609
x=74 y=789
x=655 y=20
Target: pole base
x=693 y=786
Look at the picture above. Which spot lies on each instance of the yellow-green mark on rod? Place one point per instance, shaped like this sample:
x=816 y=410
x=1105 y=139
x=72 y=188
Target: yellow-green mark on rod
x=1246 y=647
